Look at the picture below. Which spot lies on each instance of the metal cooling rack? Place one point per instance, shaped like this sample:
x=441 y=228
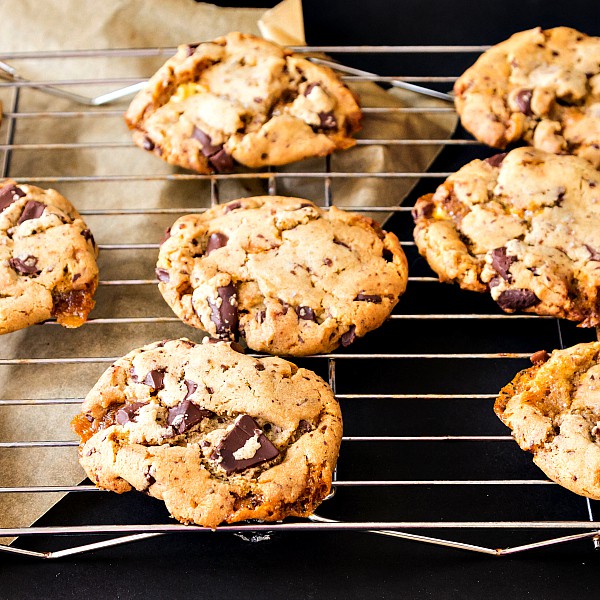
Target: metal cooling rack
x=120 y=534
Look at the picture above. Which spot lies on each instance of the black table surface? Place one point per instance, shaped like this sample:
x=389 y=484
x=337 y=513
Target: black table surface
x=361 y=565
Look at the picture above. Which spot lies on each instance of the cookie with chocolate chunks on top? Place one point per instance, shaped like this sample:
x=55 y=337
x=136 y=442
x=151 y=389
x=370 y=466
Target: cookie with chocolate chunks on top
x=242 y=99
x=225 y=437
x=524 y=226
x=553 y=410
x=285 y=275
x=47 y=259
x=540 y=86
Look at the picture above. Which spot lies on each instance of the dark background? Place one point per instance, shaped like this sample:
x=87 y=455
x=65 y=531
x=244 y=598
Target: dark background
x=357 y=565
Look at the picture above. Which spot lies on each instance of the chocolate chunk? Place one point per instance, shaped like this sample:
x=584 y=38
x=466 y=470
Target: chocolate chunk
x=306 y=313
x=155 y=379
x=259 y=366
x=33 y=210
x=309 y=88
x=216 y=241
x=27 y=266
x=245 y=429
x=208 y=149
x=375 y=298
x=517 y=299
x=148 y=476
x=539 y=358
x=87 y=234
x=349 y=336
x=9 y=194
x=594 y=254
x=187 y=414
x=304 y=426
x=423 y=210
x=148 y=144
x=191 y=386
x=327 y=262
x=496 y=160
x=327 y=120
x=232 y=206
x=501 y=263
x=76 y=277
x=340 y=243
x=523 y=101
x=221 y=161
x=237 y=348
x=162 y=274
x=128 y=412
x=225 y=314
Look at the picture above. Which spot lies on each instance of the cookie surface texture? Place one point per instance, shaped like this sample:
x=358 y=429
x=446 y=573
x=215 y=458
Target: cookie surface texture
x=242 y=99
x=218 y=435
x=47 y=259
x=287 y=276
x=539 y=86
x=553 y=409
x=525 y=226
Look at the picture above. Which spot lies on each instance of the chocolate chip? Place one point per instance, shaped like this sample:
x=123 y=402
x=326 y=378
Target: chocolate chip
x=517 y=299
x=9 y=194
x=237 y=348
x=128 y=412
x=374 y=298
x=245 y=429
x=216 y=241
x=306 y=313
x=225 y=315
x=191 y=386
x=148 y=144
x=33 y=210
x=309 y=88
x=232 y=206
x=523 y=101
x=155 y=379
x=594 y=254
x=501 y=263
x=423 y=210
x=259 y=366
x=221 y=161
x=327 y=262
x=27 y=266
x=87 y=235
x=348 y=337
x=76 y=277
x=539 y=358
x=187 y=414
x=162 y=274
x=496 y=160
x=327 y=120
x=208 y=149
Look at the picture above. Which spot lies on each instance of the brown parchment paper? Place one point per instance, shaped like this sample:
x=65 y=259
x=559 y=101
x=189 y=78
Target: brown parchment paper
x=28 y=25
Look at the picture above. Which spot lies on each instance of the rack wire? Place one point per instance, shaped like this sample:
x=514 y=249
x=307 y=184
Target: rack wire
x=335 y=364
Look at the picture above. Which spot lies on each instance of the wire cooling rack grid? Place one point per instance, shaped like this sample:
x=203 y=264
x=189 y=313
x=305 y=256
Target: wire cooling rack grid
x=405 y=379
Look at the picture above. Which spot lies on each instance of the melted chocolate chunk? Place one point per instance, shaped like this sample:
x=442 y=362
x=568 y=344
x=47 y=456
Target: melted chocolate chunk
x=128 y=412
x=539 y=357
x=309 y=88
x=221 y=161
x=496 y=160
x=349 y=336
x=328 y=120
x=517 y=299
x=191 y=386
x=375 y=298
x=208 y=149
x=155 y=379
x=33 y=210
x=87 y=234
x=523 y=101
x=304 y=426
x=232 y=206
x=501 y=263
x=216 y=241
x=27 y=266
x=185 y=415
x=162 y=274
x=423 y=210
x=225 y=315
x=237 y=348
x=245 y=429
x=306 y=313
x=9 y=194
x=148 y=144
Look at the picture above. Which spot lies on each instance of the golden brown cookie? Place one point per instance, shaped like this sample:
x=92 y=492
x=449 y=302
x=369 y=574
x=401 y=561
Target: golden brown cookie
x=539 y=86
x=47 y=259
x=282 y=273
x=219 y=436
x=553 y=409
x=242 y=99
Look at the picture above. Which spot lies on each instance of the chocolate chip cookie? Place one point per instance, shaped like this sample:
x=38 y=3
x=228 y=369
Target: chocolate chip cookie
x=47 y=259
x=242 y=99
x=539 y=86
x=553 y=409
x=524 y=226
x=218 y=435
x=287 y=276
